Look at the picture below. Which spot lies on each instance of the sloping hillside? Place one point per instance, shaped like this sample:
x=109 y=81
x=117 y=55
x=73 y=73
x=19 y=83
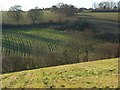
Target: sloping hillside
x=102 y=74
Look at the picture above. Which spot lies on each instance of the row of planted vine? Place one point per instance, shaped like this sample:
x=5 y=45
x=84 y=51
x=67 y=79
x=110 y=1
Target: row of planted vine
x=32 y=43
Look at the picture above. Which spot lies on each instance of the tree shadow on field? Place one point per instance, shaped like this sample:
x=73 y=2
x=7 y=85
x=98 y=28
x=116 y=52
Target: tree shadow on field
x=105 y=26
x=16 y=47
x=35 y=37
x=30 y=43
x=39 y=25
x=43 y=39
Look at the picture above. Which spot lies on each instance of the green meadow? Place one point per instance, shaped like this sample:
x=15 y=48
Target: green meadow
x=111 y=16
x=95 y=74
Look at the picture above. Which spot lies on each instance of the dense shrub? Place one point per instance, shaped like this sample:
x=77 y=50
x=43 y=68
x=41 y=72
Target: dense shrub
x=109 y=50
x=78 y=25
x=109 y=37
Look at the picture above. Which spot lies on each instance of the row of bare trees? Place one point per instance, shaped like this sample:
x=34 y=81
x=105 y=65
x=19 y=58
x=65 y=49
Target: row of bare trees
x=108 y=5
x=15 y=12
x=64 y=9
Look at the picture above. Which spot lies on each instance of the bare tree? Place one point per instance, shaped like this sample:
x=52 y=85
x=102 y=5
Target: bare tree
x=35 y=14
x=54 y=9
x=107 y=5
x=15 y=12
x=64 y=9
x=81 y=45
x=101 y=5
x=112 y=4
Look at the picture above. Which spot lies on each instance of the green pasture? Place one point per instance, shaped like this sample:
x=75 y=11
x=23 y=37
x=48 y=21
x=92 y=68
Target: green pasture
x=102 y=15
x=46 y=17
x=95 y=74
x=49 y=16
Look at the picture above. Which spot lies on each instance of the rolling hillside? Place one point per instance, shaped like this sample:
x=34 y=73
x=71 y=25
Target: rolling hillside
x=104 y=22
x=28 y=41
x=95 y=74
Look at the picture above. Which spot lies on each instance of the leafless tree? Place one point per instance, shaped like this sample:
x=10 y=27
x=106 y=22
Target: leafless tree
x=35 y=14
x=15 y=12
x=81 y=45
x=107 y=5
x=64 y=9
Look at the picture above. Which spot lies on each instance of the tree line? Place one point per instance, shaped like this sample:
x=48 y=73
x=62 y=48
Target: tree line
x=35 y=15
x=15 y=12
x=106 y=6
x=63 y=10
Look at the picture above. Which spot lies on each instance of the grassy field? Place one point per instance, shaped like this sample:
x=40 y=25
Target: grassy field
x=99 y=15
x=49 y=16
x=95 y=74
x=46 y=17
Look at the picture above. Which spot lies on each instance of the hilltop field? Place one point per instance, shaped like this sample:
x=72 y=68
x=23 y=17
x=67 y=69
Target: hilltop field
x=110 y=16
x=48 y=16
x=95 y=74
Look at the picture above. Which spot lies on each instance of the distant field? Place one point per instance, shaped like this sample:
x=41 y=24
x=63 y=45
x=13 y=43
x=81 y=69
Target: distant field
x=106 y=16
x=95 y=74
x=47 y=16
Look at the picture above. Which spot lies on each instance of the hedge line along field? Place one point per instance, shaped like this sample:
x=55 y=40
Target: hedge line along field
x=95 y=74
x=27 y=42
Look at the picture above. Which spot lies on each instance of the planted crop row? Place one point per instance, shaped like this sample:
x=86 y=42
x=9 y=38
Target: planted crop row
x=33 y=43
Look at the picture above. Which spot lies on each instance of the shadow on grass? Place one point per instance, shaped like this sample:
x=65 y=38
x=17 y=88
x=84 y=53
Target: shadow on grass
x=43 y=39
x=41 y=25
x=25 y=48
x=19 y=47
